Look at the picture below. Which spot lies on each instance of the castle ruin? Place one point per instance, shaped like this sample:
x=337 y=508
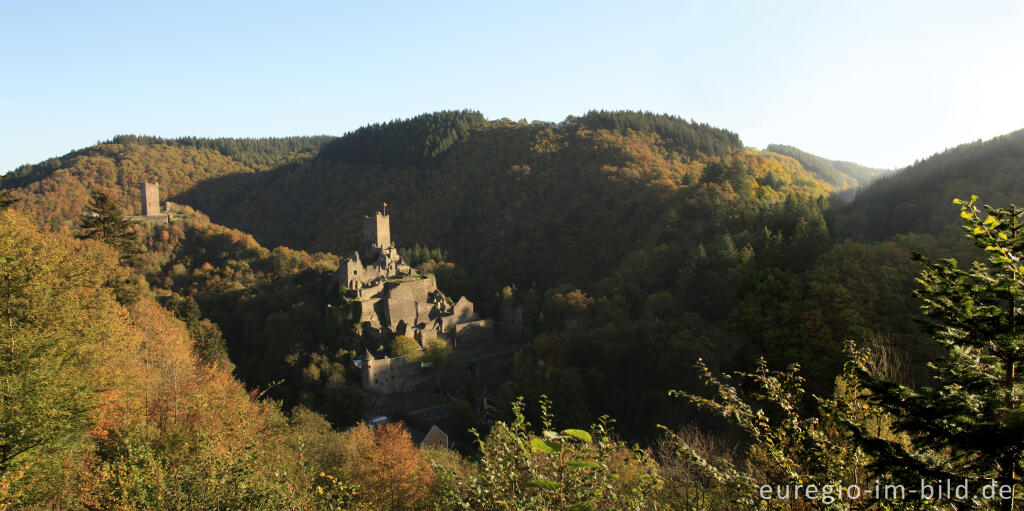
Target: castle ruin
x=151 y=205
x=150 y=199
x=395 y=299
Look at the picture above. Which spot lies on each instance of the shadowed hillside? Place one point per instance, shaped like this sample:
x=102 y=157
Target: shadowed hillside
x=533 y=203
x=918 y=198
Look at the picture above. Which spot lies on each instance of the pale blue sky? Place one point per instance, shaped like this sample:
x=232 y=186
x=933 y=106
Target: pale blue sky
x=872 y=82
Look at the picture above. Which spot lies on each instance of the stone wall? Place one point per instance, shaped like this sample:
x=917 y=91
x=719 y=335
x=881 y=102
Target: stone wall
x=413 y=289
x=463 y=311
x=387 y=375
x=475 y=333
x=400 y=311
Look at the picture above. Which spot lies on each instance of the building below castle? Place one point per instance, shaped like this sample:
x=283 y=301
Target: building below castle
x=395 y=300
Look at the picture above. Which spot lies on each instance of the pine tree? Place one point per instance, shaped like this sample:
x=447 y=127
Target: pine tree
x=968 y=424
x=104 y=221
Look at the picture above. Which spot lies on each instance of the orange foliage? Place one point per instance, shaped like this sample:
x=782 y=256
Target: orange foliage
x=392 y=472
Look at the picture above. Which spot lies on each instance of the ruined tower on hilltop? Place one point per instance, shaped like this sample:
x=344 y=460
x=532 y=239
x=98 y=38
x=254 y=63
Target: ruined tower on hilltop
x=151 y=206
x=377 y=250
x=377 y=229
x=150 y=199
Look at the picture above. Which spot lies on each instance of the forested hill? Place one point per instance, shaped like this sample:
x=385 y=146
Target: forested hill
x=422 y=140
x=840 y=174
x=629 y=239
x=55 y=191
x=918 y=198
x=537 y=196
x=531 y=202
x=258 y=153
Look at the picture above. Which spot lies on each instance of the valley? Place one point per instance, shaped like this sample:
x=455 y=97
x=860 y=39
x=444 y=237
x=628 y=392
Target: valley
x=556 y=273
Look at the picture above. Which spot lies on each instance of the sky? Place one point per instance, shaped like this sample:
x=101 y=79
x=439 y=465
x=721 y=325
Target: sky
x=879 y=83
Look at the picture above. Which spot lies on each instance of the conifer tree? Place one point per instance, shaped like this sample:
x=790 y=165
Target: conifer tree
x=104 y=221
x=966 y=425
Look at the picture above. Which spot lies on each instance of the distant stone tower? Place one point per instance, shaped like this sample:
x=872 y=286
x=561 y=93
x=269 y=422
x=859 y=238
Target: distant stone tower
x=150 y=199
x=377 y=229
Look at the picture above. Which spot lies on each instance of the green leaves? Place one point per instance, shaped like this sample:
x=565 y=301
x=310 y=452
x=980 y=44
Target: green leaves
x=555 y=470
x=789 y=447
x=578 y=434
x=581 y=506
x=552 y=441
x=545 y=446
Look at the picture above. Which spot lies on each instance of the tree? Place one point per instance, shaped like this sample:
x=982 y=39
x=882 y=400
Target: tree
x=6 y=199
x=104 y=221
x=54 y=313
x=402 y=346
x=437 y=352
x=572 y=469
x=786 y=446
x=387 y=467
x=967 y=425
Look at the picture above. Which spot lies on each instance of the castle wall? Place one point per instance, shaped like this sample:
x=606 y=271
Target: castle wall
x=425 y=312
x=448 y=323
x=414 y=290
x=374 y=291
x=401 y=311
x=475 y=332
x=368 y=312
x=463 y=311
x=422 y=335
x=387 y=375
x=357 y=275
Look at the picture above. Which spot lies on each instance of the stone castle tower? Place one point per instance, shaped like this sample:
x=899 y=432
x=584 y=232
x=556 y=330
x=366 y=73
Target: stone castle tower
x=150 y=199
x=377 y=229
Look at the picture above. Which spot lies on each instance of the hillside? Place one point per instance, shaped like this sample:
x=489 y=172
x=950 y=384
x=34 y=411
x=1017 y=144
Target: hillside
x=634 y=244
x=111 y=404
x=54 y=192
x=264 y=309
x=105 y=403
x=919 y=198
x=528 y=202
x=842 y=175
x=621 y=234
